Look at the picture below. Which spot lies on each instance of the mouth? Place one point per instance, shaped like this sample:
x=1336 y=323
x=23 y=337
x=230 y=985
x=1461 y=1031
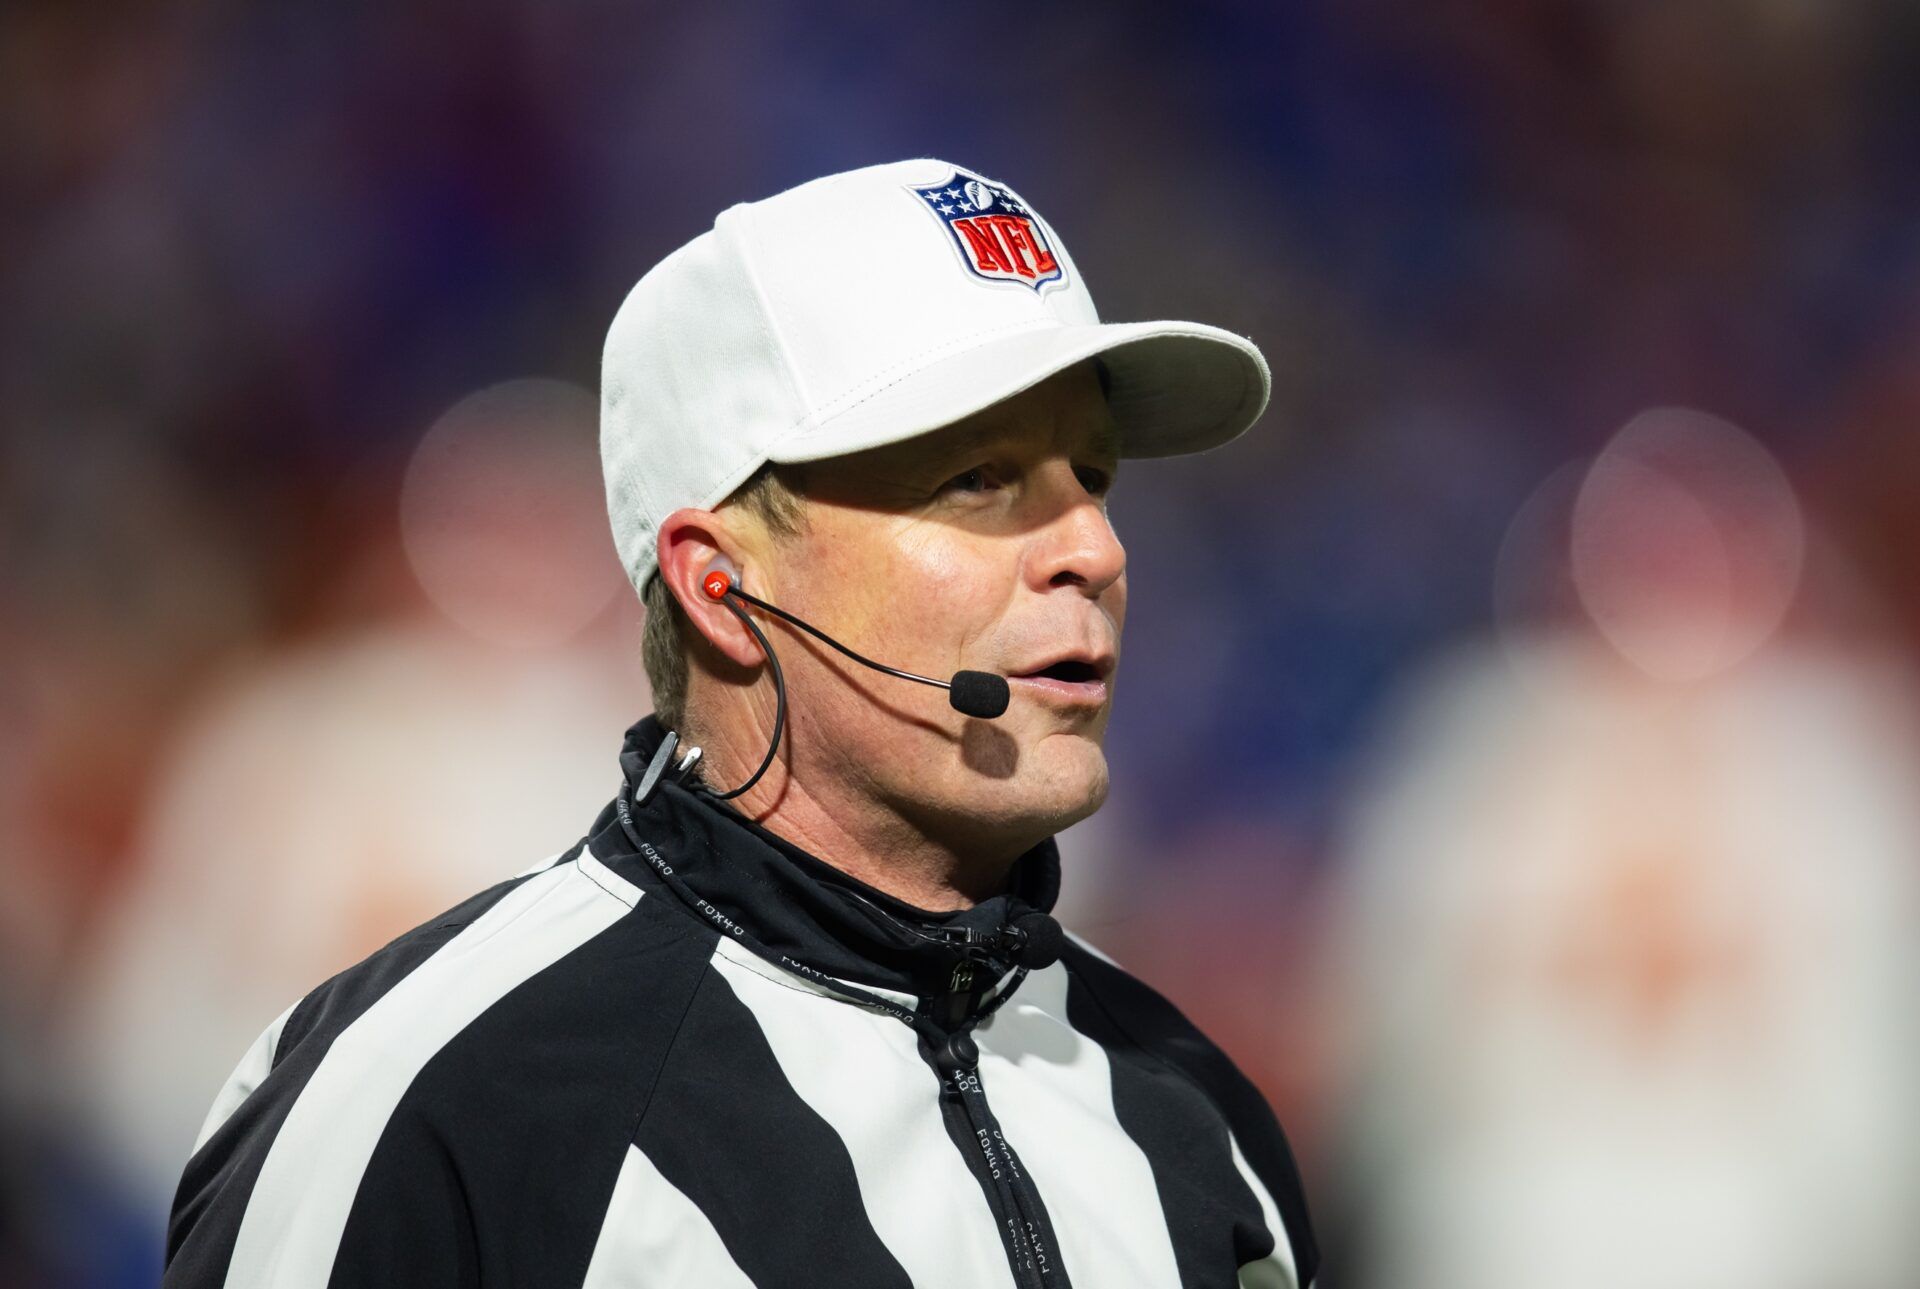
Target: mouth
x=1079 y=680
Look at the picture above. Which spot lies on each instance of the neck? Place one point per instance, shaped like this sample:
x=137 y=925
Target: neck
x=832 y=818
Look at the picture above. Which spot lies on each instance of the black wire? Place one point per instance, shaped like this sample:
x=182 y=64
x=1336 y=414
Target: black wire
x=779 y=692
x=738 y=934
x=922 y=1024
x=905 y=925
x=823 y=636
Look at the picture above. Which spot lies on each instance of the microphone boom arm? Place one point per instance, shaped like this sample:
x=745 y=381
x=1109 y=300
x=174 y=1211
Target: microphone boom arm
x=973 y=693
x=822 y=636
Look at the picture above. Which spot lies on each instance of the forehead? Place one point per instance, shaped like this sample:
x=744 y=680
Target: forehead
x=1067 y=412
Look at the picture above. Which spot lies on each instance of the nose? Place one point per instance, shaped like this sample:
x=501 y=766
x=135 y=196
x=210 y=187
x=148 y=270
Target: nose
x=1077 y=545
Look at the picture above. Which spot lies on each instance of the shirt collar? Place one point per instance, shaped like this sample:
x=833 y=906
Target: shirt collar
x=798 y=904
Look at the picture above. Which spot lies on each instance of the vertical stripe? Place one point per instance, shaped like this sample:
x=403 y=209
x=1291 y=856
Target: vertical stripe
x=306 y=1187
x=608 y=880
x=1212 y=1218
x=654 y=1235
x=1275 y=1271
x=249 y=1074
x=726 y=1128
x=1206 y=1129
x=862 y=1073
x=496 y=1166
x=218 y=1179
x=1052 y=1091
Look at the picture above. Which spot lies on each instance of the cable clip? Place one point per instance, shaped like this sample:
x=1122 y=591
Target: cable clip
x=657 y=769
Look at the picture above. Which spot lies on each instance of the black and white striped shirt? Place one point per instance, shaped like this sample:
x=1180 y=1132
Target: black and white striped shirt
x=584 y=1077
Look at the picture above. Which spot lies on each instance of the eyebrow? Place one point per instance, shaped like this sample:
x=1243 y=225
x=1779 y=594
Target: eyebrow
x=1105 y=441
x=1102 y=442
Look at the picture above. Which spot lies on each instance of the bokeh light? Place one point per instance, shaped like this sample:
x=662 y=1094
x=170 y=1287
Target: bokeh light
x=1686 y=543
x=503 y=514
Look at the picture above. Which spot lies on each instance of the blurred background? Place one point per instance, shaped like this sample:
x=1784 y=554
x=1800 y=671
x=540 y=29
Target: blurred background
x=1516 y=763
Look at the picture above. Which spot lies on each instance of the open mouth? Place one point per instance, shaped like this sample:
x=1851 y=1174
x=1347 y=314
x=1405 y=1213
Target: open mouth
x=1073 y=681
x=1074 y=673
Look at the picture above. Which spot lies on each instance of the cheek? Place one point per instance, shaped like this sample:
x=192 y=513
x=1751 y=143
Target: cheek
x=955 y=591
x=912 y=588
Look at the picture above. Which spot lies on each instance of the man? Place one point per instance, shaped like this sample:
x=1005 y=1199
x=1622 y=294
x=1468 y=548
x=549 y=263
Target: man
x=793 y=1012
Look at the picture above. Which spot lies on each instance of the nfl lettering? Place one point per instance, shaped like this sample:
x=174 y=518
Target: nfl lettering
x=996 y=234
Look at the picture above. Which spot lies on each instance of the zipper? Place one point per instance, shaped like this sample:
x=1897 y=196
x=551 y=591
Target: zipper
x=1025 y=1230
x=950 y=1049
x=954 y=1009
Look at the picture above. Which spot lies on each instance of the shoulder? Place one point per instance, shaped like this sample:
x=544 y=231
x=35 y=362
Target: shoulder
x=468 y=957
x=1139 y=1022
x=497 y=1045
x=526 y=934
x=1144 y=1018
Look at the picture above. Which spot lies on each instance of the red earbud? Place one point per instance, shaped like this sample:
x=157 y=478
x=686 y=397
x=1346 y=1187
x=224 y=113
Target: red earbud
x=716 y=583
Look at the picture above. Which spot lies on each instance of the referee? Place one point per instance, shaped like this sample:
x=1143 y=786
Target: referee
x=793 y=1011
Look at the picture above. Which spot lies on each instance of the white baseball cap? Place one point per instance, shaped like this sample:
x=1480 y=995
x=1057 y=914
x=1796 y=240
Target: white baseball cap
x=865 y=308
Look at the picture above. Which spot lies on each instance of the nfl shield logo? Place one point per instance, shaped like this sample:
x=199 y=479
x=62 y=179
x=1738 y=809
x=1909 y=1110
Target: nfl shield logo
x=997 y=236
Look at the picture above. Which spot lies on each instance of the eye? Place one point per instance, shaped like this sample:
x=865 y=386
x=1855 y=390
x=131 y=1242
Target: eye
x=978 y=479
x=1094 y=479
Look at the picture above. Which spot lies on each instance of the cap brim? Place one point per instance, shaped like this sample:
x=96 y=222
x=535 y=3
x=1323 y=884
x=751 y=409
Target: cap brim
x=1174 y=387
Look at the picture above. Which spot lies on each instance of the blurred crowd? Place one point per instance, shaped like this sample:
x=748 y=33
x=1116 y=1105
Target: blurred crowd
x=1516 y=761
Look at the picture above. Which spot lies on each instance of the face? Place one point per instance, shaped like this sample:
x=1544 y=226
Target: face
x=982 y=545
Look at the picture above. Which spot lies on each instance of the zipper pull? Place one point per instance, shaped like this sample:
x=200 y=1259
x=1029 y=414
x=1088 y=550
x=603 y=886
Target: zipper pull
x=954 y=1002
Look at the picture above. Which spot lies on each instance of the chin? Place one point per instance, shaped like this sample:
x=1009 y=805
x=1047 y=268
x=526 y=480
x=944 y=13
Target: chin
x=1035 y=791
x=996 y=780
x=1063 y=781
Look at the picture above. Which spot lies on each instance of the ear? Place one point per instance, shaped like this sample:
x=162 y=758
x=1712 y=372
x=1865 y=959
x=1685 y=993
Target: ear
x=690 y=542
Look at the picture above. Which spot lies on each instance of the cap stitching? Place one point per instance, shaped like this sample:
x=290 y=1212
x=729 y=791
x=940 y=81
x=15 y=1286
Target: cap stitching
x=737 y=473
x=633 y=478
x=965 y=342
x=763 y=308
x=906 y=367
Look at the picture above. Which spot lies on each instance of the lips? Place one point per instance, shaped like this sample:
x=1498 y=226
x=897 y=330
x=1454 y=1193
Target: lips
x=1078 y=678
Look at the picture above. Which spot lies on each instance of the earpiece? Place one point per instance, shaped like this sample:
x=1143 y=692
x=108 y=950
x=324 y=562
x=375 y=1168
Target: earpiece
x=719 y=577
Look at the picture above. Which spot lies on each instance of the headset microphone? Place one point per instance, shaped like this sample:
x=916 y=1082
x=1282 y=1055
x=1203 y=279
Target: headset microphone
x=980 y=694
x=972 y=693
